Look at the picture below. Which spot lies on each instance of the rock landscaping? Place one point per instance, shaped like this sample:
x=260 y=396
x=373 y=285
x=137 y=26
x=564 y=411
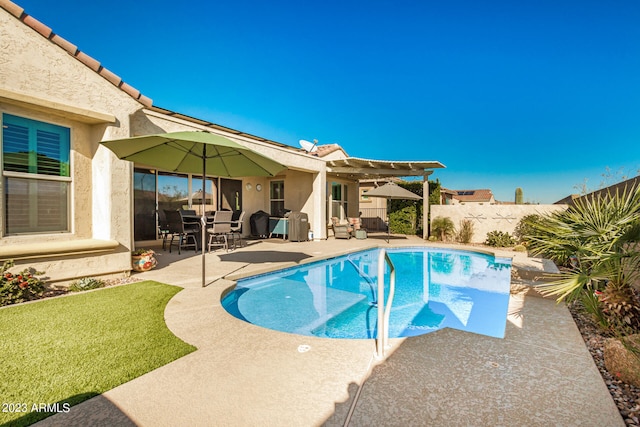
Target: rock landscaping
x=626 y=396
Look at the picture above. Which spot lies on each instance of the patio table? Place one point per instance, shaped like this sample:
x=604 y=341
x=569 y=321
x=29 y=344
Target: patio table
x=192 y=219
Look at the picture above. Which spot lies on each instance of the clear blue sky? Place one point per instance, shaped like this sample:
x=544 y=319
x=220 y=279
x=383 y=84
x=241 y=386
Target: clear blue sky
x=534 y=94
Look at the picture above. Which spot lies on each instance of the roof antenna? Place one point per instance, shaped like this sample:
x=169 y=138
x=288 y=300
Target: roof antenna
x=308 y=146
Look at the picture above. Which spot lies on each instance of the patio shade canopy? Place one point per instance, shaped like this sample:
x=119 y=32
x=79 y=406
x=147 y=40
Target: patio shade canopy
x=195 y=152
x=357 y=168
x=392 y=191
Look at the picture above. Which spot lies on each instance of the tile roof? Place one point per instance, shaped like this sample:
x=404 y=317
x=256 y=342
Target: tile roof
x=324 y=150
x=216 y=126
x=73 y=50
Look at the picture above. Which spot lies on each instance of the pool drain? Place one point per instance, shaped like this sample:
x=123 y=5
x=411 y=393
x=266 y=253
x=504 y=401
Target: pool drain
x=303 y=348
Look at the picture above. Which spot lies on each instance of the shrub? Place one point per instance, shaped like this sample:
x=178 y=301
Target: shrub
x=520 y=248
x=592 y=306
x=442 y=227
x=403 y=221
x=526 y=227
x=85 y=284
x=597 y=239
x=465 y=234
x=19 y=287
x=499 y=239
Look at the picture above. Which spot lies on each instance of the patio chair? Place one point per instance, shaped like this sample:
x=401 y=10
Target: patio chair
x=340 y=230
x=218 y=234
x=358 y=231
x=355 y=223
x=236 y=229
x=183 y=231
x=163 y=229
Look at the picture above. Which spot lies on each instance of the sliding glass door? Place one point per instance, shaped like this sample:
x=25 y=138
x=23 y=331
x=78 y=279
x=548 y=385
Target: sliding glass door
x=155 y=192
x=144 y=204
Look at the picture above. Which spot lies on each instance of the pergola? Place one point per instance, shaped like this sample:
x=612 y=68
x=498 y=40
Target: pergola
x=356 y=168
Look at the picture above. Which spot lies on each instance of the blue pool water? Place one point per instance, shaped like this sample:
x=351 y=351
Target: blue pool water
x=336 y=298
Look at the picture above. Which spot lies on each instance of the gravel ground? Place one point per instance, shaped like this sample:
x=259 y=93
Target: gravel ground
x=107 y=282
x=626 y=396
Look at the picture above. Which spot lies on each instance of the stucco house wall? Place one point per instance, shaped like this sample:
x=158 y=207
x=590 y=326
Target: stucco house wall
x=488 y=218
x=301 y=179
x=39 y=80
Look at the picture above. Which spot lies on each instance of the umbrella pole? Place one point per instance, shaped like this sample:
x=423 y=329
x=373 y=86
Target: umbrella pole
x=388 y=221
x=203 y=221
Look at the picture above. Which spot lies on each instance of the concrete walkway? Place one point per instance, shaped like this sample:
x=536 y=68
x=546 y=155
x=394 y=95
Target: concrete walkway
x=540 y=374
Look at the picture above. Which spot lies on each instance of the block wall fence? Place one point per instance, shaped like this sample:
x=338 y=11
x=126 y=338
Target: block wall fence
x=488 y=218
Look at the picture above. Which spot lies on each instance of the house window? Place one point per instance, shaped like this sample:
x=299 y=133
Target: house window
x=339 y=200
x=276 y=198
x=363 y=196
x=36 y=173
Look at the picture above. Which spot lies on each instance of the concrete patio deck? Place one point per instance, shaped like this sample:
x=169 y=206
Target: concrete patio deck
x=540 y=374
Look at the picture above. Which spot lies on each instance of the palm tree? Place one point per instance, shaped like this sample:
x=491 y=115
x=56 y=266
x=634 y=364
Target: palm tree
x=443 y=227
x=597 y=239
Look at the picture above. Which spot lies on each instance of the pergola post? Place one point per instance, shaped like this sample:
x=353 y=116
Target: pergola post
x=425 y=204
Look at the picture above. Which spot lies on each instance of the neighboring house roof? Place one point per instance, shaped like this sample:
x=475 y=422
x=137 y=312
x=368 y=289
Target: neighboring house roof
x=567 y=200
x=620 y=187
x=482 y=195
x=73 y=50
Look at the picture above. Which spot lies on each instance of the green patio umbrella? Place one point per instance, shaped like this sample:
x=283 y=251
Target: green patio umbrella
x=198 y=153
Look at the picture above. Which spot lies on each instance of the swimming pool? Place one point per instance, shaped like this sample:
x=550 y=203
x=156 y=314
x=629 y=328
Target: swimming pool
x=336 y=298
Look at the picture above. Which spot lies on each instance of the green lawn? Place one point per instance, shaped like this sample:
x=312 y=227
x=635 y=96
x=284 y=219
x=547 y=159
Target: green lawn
x=67 y=350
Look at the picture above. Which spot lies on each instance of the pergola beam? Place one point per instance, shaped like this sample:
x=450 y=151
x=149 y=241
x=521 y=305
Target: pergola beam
x=375 y=171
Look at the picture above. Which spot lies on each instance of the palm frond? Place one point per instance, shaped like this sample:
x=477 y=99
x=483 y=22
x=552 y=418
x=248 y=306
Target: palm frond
x=568 y=285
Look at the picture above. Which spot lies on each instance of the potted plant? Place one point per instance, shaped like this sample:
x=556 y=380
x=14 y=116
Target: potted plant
x=143 y=259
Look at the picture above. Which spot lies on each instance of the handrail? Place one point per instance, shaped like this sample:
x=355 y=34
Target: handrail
x=384 y=310
x=368 y=279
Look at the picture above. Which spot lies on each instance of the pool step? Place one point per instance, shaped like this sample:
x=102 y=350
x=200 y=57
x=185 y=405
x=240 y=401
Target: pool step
x=339 y=302
x=357 y=322
x=305 y=307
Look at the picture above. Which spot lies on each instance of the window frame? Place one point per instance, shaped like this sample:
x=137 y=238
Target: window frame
x=272 y=200
x=65 y=132
x=341 y=204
